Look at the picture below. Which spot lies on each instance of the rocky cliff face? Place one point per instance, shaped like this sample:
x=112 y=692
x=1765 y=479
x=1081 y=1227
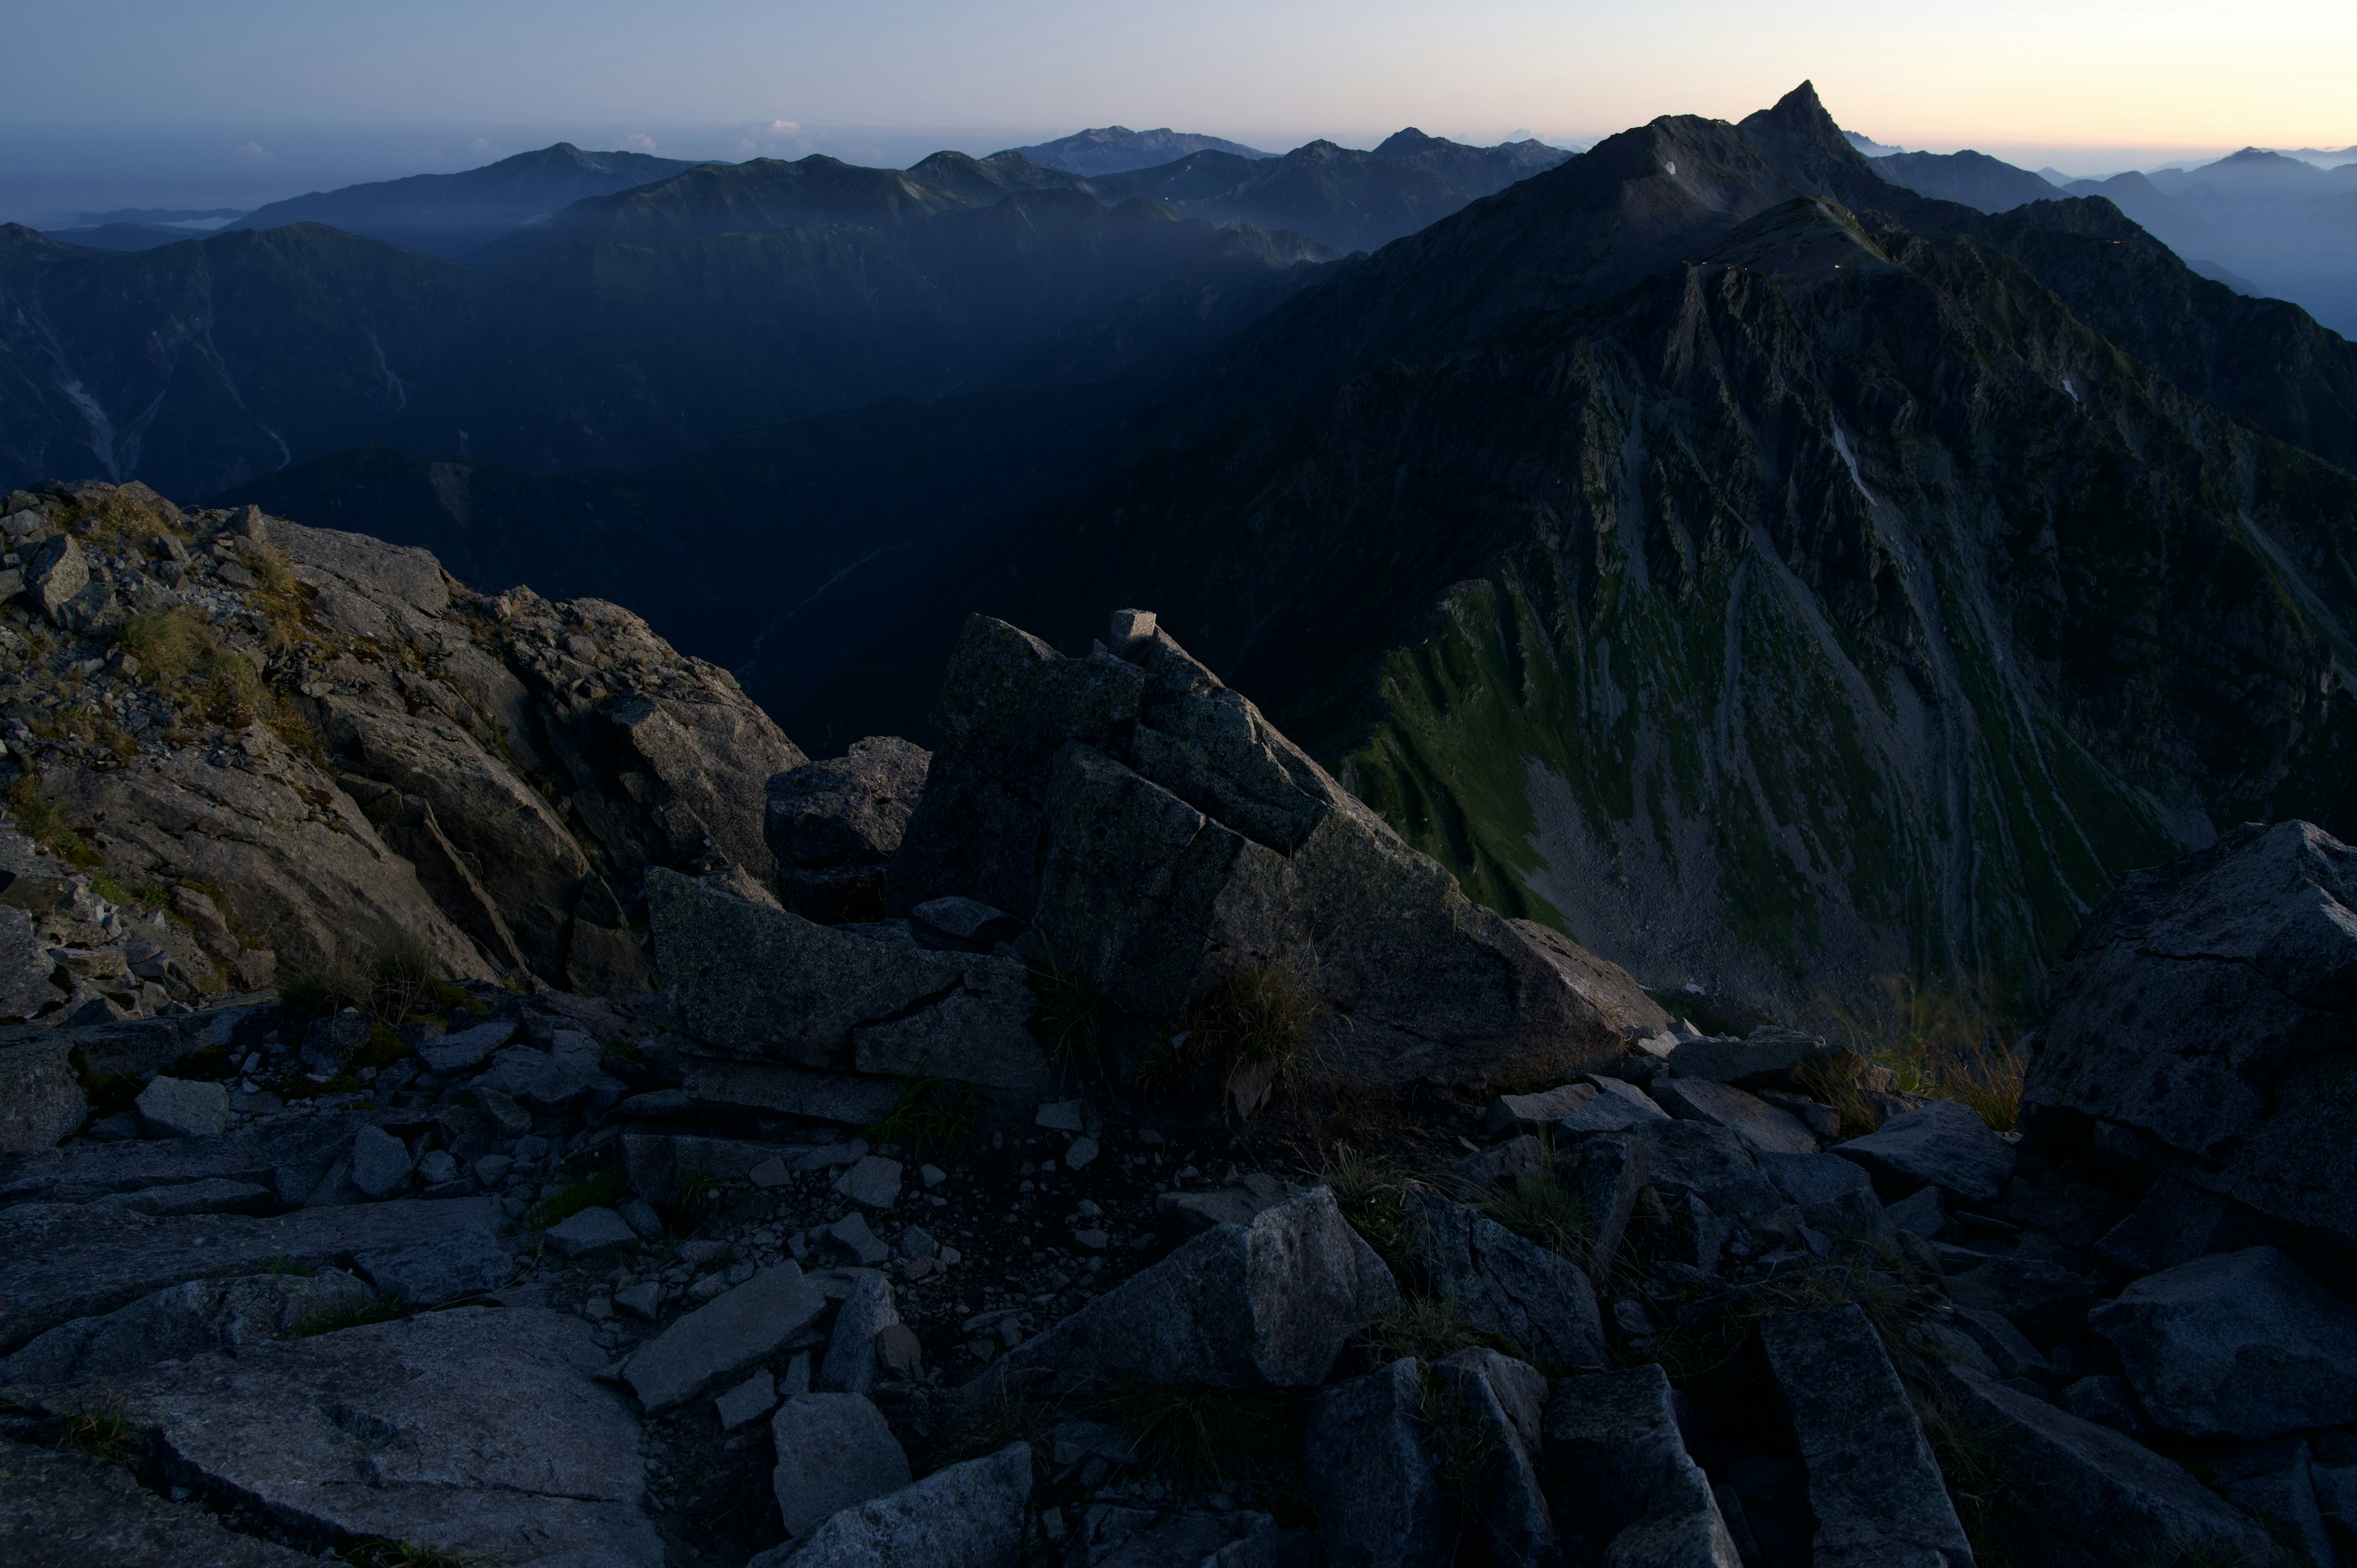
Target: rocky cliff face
x=315 y=747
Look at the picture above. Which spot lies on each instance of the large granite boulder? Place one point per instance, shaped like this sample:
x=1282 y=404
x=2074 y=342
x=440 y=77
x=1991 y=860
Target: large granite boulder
x=833 y=824
x=2208 y=1015
x=1161 y=834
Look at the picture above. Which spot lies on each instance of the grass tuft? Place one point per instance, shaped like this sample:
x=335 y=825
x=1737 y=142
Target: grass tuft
x=1071 y=1022
x=1257 y=1024
x=1430 y=1330
x=350 y=1310
x=46 y=825
x=1951 y=1042
x=102 y=1433
x=1539 y=1206
x=593 y=1191
x=930 y=1114
x=1203 y=1436
x=1009 y=1416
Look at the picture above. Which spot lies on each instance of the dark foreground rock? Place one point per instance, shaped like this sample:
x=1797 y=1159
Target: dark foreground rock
x=62 y=1509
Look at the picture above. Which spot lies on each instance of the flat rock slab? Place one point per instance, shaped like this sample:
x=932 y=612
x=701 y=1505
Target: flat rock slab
x=1622 y=1484
x=1267 y=1304
x=1529 y=1113
x=850 y=1366
x=40 y=1098
x=465 y=1260
x=1945 y=1144
x=2237 y=1345
x=1874 y=1487
x=59 y=1261
x=723 y=1337
x=2093 y=1486
x=1763 y=1129
x=180 y=1108
x=178 y=1322
x=463 y=1050
x=290 y=1154
x=476 y=1431
x=591 y=1233
x=62 y=1509
x=961 y=1516
x=835 y=1451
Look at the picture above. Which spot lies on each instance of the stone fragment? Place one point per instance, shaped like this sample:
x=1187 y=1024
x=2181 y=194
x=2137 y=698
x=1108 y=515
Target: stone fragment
x=2271 y=1482
x=898 y=1350
x=330 y=1043
x=177 y=1108
x=1697 y=1160
x=961 y=1516
x=1269 y=1305
x=381 y=1164
x=1771 y=1057
x=1061 y=1116
x=723 y=1337
x=1079 y=1153
x=63 y=1510
x=459 y=1263
x=1623 y=1489
x=2173 y=1224
x=55 y=576
x=1496 y=1169
x=554 y=1080
x=2240 y=1345
x=2092 y=1487
x=1529 y=1113
x=1366 y=1461
x=1540 y=1302
x=1835 y=1197
x=1619 y=1106
x=1924 y=1214
x=1254 y=1193
x=749 y=1401
x=40 y=1098
x=1611 y=1176
x=873 y=1182
x=465 y=1049
x=642 y=1300
x=591 y=1233
x=1763 y=1129
x=2106 y=1402
x=1874 y=1487
x=211 y=1195
x=835 y=1451
x=381 y=1431
x=1945 y=1144
x=178 y=1322
x=833 y=826
x=850 y=1364
x=1505 y=1399
x=863 y=1246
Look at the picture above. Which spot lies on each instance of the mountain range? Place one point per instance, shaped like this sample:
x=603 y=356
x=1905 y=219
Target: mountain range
x=1117 y=149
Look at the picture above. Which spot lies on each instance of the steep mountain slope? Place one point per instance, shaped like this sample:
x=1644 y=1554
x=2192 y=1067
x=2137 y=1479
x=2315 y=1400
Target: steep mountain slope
x=450 y=214
x=119 y=236
x=1757 y=567
x=1973 y=178
x=1340 y=195
x=2281 y=222
x=1112 y=149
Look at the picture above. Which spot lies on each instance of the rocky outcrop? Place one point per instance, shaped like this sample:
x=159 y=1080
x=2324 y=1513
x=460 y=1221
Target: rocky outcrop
x=311 y=747
x=1161 y=836
x=2202 y=1028
x=833 y=824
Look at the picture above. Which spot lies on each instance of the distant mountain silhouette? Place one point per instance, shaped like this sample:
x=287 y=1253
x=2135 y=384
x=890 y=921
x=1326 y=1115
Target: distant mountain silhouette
x=1973 y=178
x=1115 y=149
x=450 y=214
x=122 y=236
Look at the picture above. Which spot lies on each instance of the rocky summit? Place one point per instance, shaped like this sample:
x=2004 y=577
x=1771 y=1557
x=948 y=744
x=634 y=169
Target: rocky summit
x=475 y=1092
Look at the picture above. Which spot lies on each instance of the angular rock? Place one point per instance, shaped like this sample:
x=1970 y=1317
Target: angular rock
x=833 y=826
x=2092 y=1487
x=1617 y=1107
x=1255 y=1194
x=1945 y=1144
x=2241 y=1345
x=1925 y=1214
x=1506 y=1399
x=723 y=1337
x=40 y=1098
x=1697 y=1160
x=459 y=1263
x=56 y=575
x=712 y=1084
x=1835 y=1197
x=2261 y=928
x=851 y=1234
x=2272 y=1483
x=1529 y=1113
x=1268 y=1305
x=463 y=1049
x=1763 y=1129
x=872 y=1182
x=760 y=983
x=61 y=1262
x=1112 y=1536
x=381 y=1164
x=63 y=1510
x=1366 y=1460
x=1876 y=1491
x=330 y=1043
x=850 y=1366
x=835 y=1451
x=961 y=1516
x=211 y=1195
x=552 y=1081
x=178 y=1322
x=1622 y=1486
x=749 y=1401
x=1612 y=1174
x=1771 y=1057
x=483 y=1432
x=592 y=1232
x=2106 y=1402
x=1539 y=1301
x=176 y=1108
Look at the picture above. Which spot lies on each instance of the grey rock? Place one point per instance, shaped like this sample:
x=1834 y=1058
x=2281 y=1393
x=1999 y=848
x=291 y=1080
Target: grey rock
x=2175 y=1223
x=1945 y=1144
x=1365 y=1459
x=761 y=982
x=749 y=1401
x=872 y=1182
x=1622 y=1486
x=898 y=1350
x=61 y=1262
x=1506 y=1399
x=554 y=1080
x=377 y=1432
x=1529 y=1113
x=2005 y=1347
x=330 y=1043
x=2332 y=1470
x=1254 y=1193
x=723 y=1337
x=1698 y=1160
x=1496 y=1168
x=850 y=1364
x=211 y=1195
x=177 y=1108
x=26 y=990
x=1267 y=1304
x=511 y=1120
x=2106 y=1402
x=1776 y=1059
x=1539 y=1301
x=1611 y=1173
x=1079 y=1153
x=1763 y=1129
x=835 y=1451
x=713 y=1084
x=2260 y=928
x=1835 y=1197
x=961 y=1516
x=381 y=1164
x=1617 y=1107
x=1874 y=1487
x=58 y=572
x=914 y=1242
x=286 y=1156
x=592 y=1232
x=968 y=920
x=1117 y=1536
x=2240 y=1345
x=40 y=1098
x=1924 y=1214
x=2095 y=1487
x=640 y=1216
x=834 y=825
x=63 y=1510
x=642 y=1300
x=1061 y=1116
x=178 y=1322
x=863 y=1245
x=463 y=1050
x=2271 y=1482
x=459 y=1263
